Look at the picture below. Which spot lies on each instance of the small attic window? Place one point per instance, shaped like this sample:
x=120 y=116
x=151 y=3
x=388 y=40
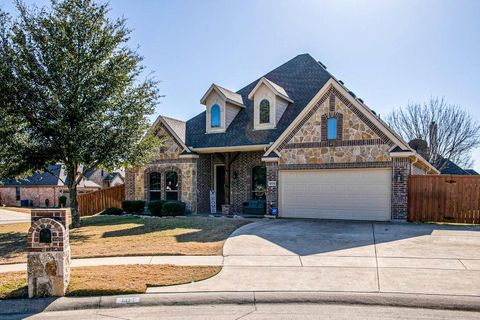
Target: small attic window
x=264 y=111
x=332 y=128
x=215 y=116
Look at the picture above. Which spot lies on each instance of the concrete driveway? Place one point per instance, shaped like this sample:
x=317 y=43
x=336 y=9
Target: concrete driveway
x=316 y=255
x=7 y=217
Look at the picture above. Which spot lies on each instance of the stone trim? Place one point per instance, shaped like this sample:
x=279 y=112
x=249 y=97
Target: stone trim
x=162 y=171
x=333 y=143
x=167 y=161
x=345 y=165
x=355 y=110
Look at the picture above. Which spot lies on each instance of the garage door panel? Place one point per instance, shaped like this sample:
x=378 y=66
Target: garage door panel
x=360 y=194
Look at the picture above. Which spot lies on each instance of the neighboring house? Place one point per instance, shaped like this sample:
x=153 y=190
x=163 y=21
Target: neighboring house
x=452 y=168
x=105 y=179
x=296 y=137
x=43 y=187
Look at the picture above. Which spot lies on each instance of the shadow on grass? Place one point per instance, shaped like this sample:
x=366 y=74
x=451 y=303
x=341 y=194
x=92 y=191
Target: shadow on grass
x=18 y=293
x=197 y=229
x=11 y=244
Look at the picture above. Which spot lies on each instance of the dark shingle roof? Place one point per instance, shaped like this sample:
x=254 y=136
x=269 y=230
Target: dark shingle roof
x=302 y=77
x=472 y=172
x=38 y=178
x=451 y=168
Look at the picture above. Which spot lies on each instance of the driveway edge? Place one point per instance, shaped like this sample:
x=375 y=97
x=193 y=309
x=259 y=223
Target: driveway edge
x=442 y=302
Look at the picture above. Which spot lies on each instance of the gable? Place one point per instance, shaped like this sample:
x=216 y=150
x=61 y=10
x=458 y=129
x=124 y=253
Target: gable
x=358 y=140
x=355 y=128
x=170 y=149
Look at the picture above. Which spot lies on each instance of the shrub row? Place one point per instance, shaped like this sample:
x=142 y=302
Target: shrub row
x=166 y=208
x=133 y=206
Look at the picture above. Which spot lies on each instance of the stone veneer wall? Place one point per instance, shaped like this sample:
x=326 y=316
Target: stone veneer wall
x=136 y=179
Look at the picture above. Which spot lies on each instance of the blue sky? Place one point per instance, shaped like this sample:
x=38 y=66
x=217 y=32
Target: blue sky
x=388 y=52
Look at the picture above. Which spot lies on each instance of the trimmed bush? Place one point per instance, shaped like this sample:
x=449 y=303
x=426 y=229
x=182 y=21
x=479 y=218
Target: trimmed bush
x=155 y=207
x=133 y=206
x=173 y=208
x=62 y=201
x=113 y=211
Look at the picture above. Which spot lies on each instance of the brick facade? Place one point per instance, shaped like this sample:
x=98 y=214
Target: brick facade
x=37 y=195
x=241 y=183
x=400 y=173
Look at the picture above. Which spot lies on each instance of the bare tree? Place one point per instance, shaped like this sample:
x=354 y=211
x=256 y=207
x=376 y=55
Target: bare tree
x=450 y=131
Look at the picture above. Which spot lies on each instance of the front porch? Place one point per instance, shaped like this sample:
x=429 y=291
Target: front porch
x=236 y=178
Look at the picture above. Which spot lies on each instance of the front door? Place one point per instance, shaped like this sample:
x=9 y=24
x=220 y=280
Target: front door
x=220 y=186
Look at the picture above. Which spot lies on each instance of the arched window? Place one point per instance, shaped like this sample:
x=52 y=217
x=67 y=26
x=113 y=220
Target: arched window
x=171 y=185
x=332 y=128
x=259 y=182
x=264 y=111
x=155 y=186
x=215 y=116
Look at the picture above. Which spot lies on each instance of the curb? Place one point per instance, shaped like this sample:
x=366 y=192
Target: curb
x=441 y=302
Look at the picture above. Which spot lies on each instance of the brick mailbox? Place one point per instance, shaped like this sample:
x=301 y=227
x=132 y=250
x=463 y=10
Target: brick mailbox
x=48 y=253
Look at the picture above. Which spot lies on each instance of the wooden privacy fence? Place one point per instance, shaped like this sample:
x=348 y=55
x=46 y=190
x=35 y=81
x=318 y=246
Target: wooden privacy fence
x=94 y=202
x=444 y=198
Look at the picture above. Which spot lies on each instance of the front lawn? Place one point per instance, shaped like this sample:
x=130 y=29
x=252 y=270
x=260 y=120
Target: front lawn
x=111 y=280
x=102 y=236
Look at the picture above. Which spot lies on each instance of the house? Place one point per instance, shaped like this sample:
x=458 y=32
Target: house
x=452 y=168
x=296 y=137
x=43 y=189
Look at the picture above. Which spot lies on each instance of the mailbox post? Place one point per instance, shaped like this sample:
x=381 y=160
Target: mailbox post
x=48 y=253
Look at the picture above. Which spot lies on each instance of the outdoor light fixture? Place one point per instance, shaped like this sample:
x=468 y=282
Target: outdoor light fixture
x=398 y=176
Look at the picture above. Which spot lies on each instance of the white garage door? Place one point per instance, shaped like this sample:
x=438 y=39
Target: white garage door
x=357 y=194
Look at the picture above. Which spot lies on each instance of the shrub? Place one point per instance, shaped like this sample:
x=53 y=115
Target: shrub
x=113 y=211
x=62 y=201
x=155 y=207
x=133 y=206
x=173 y=208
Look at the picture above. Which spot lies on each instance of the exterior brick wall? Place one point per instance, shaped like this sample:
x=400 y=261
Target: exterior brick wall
x=38 y=195
x=241 y=187
x=400 y=173
x=272 y=191
x=204 y=182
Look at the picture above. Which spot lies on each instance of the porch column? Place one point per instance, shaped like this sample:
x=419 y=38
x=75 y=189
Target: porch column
x=400 y=173
x=272 y=185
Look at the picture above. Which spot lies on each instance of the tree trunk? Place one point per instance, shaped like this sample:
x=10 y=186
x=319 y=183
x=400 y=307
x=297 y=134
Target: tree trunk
x=72 y=190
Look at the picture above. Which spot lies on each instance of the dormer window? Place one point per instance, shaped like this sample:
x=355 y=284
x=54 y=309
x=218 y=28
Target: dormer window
x=222 y=106
x=215 y=114
x=332 y=128
x=264 y=111
x=269 y=103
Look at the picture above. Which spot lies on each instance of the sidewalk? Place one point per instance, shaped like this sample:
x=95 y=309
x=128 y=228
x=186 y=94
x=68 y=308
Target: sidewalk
x=111 y=261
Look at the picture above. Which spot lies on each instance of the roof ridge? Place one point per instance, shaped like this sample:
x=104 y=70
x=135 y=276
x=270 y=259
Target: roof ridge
x=165 y=117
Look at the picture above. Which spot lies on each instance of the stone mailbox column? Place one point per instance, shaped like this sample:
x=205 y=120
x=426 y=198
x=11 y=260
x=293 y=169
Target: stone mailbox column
x=48 y=253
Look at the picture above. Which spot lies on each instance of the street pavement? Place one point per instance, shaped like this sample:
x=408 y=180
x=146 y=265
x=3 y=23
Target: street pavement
x=257 y=312
x=9 y=217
